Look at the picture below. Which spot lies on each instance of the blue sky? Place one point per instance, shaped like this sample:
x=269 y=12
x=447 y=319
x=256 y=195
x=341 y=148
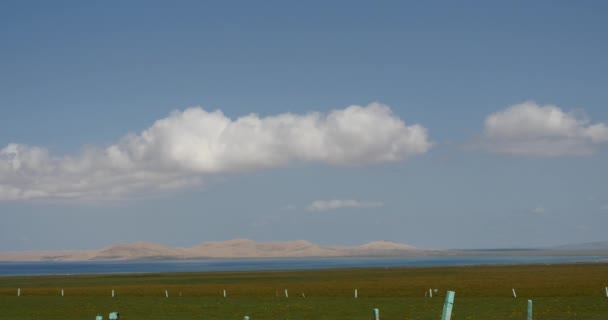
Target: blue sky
x=485 y=123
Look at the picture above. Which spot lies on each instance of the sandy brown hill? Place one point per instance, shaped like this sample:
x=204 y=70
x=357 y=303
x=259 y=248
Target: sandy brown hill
x=244 y=248
x=235 y=248
x=385 y=245
x=138 y=250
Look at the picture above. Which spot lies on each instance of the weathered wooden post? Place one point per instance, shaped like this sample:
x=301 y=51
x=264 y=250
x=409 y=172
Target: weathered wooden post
x=376 y=314
x=529 y=309
x=447 y=306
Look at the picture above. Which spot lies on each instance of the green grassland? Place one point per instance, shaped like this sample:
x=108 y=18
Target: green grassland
x=563 y=291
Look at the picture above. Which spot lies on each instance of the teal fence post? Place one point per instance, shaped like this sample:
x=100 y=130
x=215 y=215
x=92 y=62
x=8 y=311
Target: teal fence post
x=529 y=309
x=447 y=306
x=376 y=314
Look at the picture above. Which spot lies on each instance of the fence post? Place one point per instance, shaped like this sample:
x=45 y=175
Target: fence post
x=447 y=306
x=18 y=292
x=514 y=294
x=286 y=294
x=529 y=309
x=112 y=293
x=357 y=294
x=62 y=292
x=166 y=294
x=245 y=318
x=376 y=314
x=224 y=293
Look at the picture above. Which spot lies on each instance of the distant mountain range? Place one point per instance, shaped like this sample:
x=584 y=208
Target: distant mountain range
x=244 y=248
x=236 y=248
x=599 y=245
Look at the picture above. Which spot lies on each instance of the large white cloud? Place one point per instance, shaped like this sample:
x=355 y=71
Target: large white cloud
x=530 y=129
x=325 y=205
x=176 y=151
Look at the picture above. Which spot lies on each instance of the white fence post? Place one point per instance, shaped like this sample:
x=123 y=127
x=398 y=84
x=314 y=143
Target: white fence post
x=376 y=314
x=447 y=306
x=514 y=294
x=529 y=309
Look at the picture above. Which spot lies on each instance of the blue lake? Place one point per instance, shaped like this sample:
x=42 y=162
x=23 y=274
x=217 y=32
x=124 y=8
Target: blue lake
x=104 y=267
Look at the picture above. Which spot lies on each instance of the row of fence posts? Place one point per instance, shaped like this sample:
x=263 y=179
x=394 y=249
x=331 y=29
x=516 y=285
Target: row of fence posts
x=447 y=308
x=445 y=315
x=430 y=293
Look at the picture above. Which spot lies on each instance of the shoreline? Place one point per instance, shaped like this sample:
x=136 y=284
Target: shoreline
x=245 y=268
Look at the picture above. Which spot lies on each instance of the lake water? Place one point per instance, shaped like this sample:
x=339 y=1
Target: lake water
x=104 y=267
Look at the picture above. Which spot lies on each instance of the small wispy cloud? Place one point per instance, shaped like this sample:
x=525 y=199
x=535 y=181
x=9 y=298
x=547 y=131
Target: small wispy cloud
x=325 y=205
x=538 y=210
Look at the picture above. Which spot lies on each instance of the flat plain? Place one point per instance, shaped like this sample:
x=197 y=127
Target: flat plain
x=560 y=291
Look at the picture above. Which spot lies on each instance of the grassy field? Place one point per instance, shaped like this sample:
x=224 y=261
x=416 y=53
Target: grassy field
x=568 y=291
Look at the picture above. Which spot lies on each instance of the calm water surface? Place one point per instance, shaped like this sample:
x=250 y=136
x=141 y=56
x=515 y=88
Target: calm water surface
x=99 y=267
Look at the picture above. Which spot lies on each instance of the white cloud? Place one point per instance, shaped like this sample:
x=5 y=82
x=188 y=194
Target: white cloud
x=325 y=205
x=529 y=129
x=538 y=210
x=176 y=151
